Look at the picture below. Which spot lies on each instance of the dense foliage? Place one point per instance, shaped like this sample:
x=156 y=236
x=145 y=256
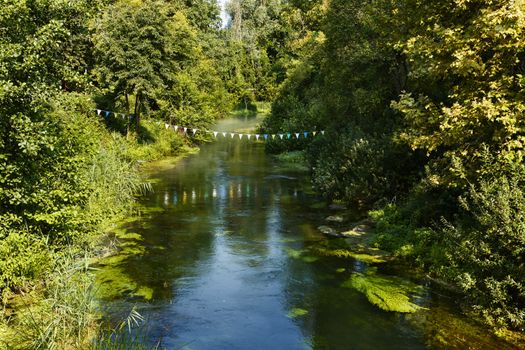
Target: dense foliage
x=64 y=172
x=423 y=104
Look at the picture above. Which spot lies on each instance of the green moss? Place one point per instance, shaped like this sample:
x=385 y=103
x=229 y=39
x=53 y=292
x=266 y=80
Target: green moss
x=386 y=292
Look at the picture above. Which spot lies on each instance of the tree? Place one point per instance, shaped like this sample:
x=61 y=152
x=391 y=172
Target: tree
x=466 y=89
x=140 y=47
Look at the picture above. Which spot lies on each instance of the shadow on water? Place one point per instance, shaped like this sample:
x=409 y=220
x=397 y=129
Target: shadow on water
x=223 y=256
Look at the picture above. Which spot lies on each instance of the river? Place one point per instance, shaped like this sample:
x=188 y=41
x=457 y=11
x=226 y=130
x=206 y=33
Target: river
x=220 y=256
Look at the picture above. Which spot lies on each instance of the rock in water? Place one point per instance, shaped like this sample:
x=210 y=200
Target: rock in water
x=337 y=207
x=335 y=218
x=327 y=230
x=358 y=230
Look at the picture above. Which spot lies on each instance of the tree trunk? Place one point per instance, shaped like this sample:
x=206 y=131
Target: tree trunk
x=128 y=121
x=137 y=111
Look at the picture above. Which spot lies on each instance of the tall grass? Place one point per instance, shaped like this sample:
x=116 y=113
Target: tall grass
x=59 y=315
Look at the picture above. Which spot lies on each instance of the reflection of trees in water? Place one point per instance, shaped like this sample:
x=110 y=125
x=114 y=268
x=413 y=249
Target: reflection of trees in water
x=221 y=201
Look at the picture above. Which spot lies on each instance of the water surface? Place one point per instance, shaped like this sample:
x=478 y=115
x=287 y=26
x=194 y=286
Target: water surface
x=221 y=258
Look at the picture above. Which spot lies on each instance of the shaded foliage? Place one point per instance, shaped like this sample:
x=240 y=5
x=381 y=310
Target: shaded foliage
x=415 y=97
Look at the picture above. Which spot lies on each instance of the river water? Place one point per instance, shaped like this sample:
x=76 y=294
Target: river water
x=220 y=257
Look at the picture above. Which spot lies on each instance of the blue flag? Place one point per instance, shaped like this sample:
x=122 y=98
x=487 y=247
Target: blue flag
x=305 y=134
x=107 y=113
x=266 y=136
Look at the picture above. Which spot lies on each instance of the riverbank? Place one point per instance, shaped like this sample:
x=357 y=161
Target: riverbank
x=55 y=304
x=364 y=242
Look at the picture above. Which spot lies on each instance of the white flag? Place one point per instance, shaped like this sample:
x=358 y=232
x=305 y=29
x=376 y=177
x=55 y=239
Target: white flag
x=185 y=129
x=322 y=132
x=273 y=136
x=249 y=136
x=166 y=125
x=315 y=132
x=99 y=111
x=194 y=131
x=123 y=116
x=240 y=136
x=175 y=127
x=297 y=134
x=225 y=133
x=215 y=134
x=257 y=136
x=231 y=134
x=281 y=136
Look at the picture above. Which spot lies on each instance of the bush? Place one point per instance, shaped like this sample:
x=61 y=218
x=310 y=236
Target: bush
x=357 y=167
x=479 y=248
x=24 y=258
x=154 y=142
x=486 y=249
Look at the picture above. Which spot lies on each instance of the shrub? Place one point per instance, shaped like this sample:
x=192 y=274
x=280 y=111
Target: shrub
x=357 y=167
x=486 y=249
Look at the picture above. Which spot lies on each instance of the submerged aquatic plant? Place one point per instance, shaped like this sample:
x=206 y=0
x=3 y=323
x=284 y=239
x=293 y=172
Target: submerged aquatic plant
x=389 y=293
x=296 y=312
x=371 y=256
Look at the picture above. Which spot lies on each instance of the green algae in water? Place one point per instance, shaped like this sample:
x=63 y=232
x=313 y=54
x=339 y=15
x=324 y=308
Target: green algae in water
x=319 y=205
x=294 y=253
x=310 y=259
x=386 y=292
x=112 y=280
x=297 y=312
x=369 y=258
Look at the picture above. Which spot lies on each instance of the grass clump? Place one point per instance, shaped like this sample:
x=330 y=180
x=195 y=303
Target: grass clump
x=59 y=314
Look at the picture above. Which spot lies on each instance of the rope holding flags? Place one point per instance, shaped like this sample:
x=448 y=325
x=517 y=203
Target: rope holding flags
x=217 y=134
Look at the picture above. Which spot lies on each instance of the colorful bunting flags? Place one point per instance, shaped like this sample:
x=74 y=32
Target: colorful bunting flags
x=225 y=134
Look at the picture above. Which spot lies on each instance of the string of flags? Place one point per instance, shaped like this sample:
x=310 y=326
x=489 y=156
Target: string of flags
x=107 y=114
x=224 y=134
x=241 y=136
